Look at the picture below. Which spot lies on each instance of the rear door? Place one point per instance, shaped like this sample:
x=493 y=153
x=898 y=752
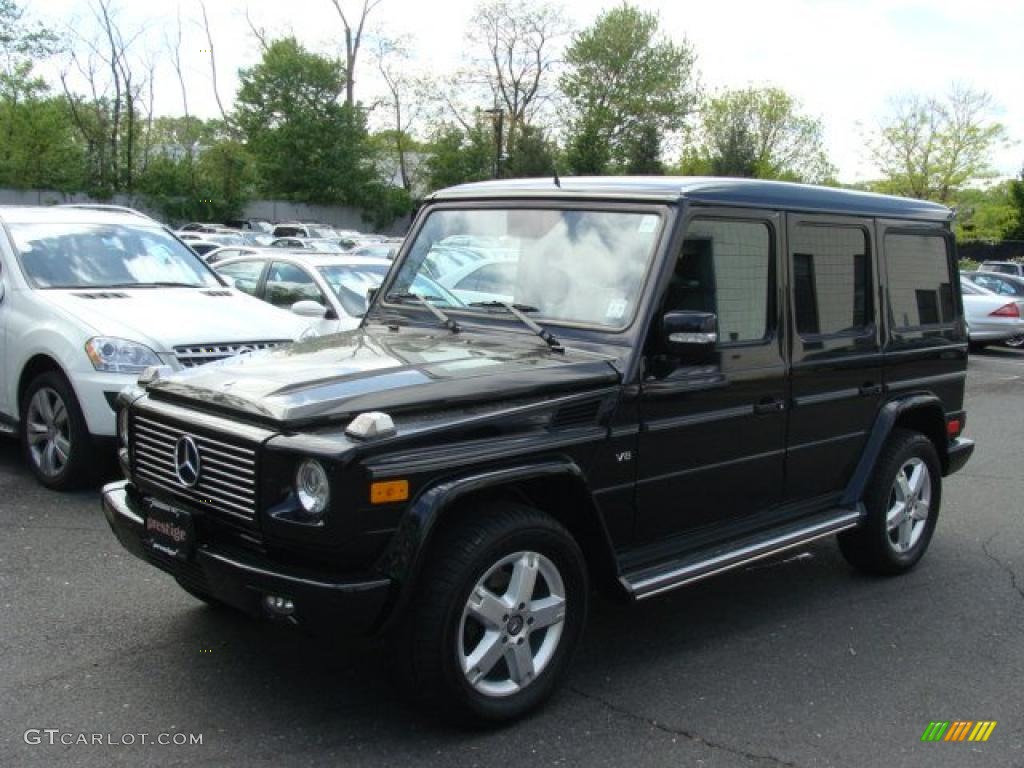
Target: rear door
x=836 y=352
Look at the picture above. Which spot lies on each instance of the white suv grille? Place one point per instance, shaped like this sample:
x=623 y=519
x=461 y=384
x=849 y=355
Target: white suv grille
x=199 y=354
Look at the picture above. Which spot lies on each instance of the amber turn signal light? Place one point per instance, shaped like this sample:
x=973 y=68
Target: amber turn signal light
x=389 y=491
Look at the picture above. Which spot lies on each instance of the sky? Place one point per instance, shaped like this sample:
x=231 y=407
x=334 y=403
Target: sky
x=843 y=59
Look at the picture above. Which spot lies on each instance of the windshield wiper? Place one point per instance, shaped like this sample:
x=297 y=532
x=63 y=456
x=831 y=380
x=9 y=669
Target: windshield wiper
x=448 y=323
x=517 y=310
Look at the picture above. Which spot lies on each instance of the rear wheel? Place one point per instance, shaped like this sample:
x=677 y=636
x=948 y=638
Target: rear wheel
x=1016 y=342
x=55 y=438
x=496 y=616
x=902 y=503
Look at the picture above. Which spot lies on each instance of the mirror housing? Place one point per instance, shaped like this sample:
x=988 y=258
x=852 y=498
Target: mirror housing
x=309 y=308
x=689 y=330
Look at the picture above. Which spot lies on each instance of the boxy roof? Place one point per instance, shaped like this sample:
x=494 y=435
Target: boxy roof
x=748 y=193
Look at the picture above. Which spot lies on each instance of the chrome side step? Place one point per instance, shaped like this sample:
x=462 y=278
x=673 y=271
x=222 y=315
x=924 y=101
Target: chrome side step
x=649 y=582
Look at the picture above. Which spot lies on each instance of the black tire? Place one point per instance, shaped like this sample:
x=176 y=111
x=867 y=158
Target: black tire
x=1016 y=342
x=431 y=640
x=82 y=464
x=875 y=547
x=977 y=346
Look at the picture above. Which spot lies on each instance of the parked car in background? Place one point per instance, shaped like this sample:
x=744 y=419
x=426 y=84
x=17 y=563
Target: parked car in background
x=203 y=247
x=303 y=230
x=332 y=289
x=199 y=226
x=991 y=318
x=1005 y=267
x=385 y=250
x=482 y=280
x=88 y=300
x=252 y=225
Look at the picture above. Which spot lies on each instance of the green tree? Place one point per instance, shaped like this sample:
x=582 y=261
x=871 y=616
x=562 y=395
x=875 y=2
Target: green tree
x=530 y=154
x=623 y=76
x=41 y=149
x=307 y=145
x=759 y=133
x=643 y=151
x=1014 y=229
x=929 y=147
x=458 y=155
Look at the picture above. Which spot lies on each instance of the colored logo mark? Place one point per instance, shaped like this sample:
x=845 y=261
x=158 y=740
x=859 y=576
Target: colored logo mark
x=958 y=730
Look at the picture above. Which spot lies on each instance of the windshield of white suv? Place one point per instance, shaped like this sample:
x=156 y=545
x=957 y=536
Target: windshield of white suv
x=574 y=267
x=62 y=255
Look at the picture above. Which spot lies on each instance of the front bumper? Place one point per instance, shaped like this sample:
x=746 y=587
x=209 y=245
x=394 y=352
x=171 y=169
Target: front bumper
x=353 y=606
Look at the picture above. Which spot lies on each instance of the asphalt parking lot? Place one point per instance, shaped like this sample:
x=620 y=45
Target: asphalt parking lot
x=796 y=661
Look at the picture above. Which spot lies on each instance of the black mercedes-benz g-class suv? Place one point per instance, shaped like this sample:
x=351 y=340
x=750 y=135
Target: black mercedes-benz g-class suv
x=630 y=384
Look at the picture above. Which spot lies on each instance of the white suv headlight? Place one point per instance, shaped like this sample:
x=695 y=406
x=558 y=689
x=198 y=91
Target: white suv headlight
x=119 y=355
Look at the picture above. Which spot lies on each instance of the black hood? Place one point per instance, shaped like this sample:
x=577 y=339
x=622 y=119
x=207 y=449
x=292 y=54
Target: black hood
x=335 y=377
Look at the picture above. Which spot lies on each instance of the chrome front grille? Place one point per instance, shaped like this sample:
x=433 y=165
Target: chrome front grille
x=198 y=354
x=227 y=470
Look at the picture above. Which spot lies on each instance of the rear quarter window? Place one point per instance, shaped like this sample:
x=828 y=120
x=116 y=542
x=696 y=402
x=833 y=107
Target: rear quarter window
x=919 y=280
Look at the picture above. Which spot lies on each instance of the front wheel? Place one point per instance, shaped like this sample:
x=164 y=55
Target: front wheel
x=56 y=440
x=496 y=616
x=902 y=503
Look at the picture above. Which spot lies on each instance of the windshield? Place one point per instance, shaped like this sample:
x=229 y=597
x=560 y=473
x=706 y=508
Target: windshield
x=350 y=284
x=578 y=267
x=59 y=255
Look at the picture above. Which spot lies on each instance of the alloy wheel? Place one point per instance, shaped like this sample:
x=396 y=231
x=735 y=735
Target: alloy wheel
x=511 y=624
x=909 y=505
x=48 y=432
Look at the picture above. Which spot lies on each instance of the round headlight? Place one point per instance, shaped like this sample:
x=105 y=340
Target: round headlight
x=312 y=487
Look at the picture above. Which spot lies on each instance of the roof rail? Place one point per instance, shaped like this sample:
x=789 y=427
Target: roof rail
x=106 y=207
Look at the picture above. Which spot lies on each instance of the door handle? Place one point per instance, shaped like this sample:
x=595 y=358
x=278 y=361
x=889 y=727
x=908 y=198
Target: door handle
x=866 y=390
x=769 y=405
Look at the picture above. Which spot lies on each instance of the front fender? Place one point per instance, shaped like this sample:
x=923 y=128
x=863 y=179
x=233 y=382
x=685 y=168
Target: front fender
x=406 y=553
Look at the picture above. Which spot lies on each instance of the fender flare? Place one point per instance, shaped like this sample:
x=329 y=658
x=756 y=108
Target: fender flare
x=885 y=422
x=405 y=555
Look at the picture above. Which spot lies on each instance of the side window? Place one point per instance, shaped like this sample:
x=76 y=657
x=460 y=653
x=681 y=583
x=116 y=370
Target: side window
x=919 y=280
x=287 y=284
x=246 y=275
x=831 y=279
x=726 y=268
x=994 y=284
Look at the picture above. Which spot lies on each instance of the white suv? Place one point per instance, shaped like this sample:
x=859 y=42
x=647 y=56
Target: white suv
x=89 y=299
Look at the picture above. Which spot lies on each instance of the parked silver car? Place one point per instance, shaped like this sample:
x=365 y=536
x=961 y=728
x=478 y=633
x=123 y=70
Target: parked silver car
x=991 y=318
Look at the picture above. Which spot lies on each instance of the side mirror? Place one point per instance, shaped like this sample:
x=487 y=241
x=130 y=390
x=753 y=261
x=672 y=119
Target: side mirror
x=688 y=330
x=309 y=308
x=371 y=294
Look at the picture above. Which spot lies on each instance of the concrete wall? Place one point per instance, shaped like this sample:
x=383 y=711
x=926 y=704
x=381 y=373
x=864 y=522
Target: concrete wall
x=340 y=216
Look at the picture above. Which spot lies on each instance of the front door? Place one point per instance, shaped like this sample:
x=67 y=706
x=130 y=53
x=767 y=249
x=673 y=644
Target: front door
x=713 y=422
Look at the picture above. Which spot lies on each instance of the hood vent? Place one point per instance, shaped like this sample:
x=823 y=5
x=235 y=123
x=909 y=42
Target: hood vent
x=102 y=295
x=216 y=293
x=576 y=415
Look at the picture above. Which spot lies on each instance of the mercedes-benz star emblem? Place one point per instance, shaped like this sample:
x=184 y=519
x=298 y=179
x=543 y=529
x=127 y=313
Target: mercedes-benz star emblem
x=186 y=461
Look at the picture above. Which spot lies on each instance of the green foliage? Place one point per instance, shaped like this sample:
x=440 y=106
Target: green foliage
x=760 y=133
x=307 y=145
x=929 y=147
x=39 y=149
x=1014 y=229
x=530 y=155
x=643 y=150
x=459 y=156
x=214 y=186
x=623 y=77
x=983 y=214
